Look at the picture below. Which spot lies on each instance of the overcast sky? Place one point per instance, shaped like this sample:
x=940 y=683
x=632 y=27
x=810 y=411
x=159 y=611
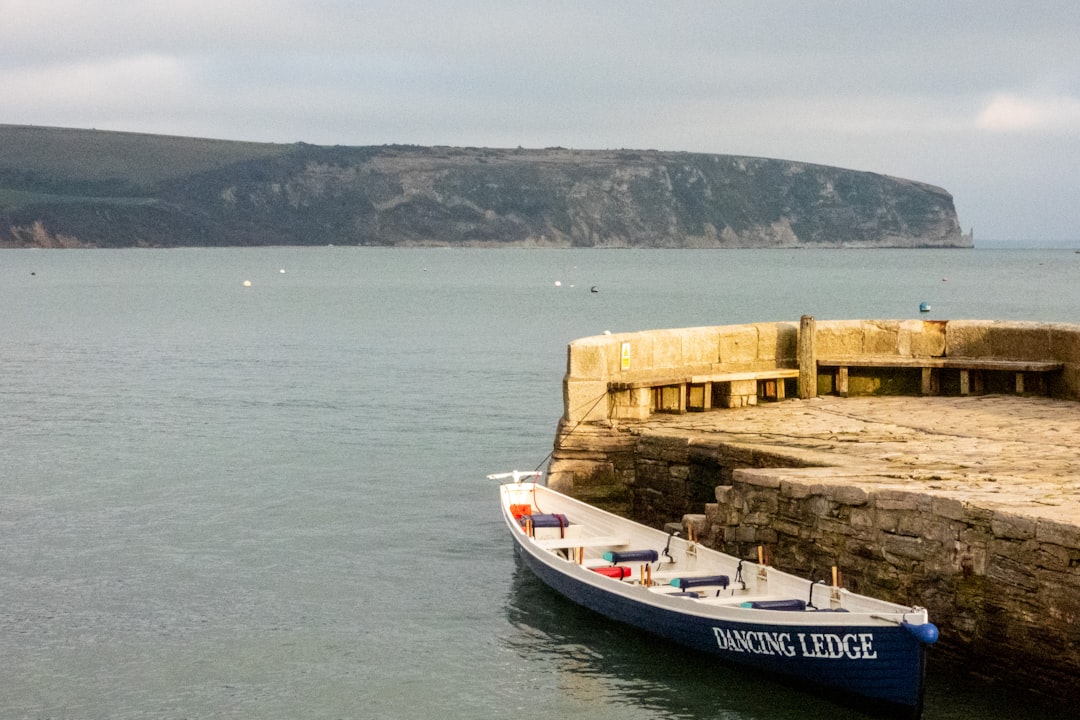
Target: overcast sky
x=981 y=98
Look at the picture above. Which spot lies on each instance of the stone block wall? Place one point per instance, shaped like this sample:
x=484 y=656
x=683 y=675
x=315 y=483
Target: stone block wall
x=881 y=337
x=1058 y=342
x=594 y=363
x=596 y=412
x=1006 y=586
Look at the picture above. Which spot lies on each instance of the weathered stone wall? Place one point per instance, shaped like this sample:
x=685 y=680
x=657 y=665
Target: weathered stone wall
x=594 y=363
x=595 y=465
x=1005 y=586
x=1059 y=342
x=881 y=337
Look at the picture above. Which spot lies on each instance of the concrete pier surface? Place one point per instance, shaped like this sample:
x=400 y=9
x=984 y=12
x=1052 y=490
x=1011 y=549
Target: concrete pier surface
x=1000 y=452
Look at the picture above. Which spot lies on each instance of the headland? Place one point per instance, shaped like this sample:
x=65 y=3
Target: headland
x=87 y=188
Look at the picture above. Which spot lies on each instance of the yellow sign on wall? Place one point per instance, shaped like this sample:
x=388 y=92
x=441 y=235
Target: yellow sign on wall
x=626 y=356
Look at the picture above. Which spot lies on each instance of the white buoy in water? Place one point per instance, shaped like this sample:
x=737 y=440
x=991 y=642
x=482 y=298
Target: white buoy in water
x=247 y=283
x=558 y=283
x=924 y=307
x=282 y=271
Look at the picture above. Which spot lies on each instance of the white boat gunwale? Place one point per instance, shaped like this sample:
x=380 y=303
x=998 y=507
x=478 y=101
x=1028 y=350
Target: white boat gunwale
x=723 y=607
x=871 y=651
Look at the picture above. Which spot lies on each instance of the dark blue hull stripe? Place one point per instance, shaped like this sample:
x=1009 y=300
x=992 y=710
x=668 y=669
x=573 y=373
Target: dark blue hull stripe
x=883 y=664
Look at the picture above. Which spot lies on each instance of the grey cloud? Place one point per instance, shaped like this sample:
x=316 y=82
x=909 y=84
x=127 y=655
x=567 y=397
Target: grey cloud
x=903 y=88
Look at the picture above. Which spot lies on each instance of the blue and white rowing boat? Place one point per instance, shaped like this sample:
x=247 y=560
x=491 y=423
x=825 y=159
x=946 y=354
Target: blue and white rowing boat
x=854 y=647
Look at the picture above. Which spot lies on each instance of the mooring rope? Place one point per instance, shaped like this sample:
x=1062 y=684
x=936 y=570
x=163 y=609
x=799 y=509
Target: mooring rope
x=596 y=402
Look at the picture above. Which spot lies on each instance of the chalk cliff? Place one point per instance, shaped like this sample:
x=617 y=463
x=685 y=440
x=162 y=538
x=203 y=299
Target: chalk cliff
x=83 y=188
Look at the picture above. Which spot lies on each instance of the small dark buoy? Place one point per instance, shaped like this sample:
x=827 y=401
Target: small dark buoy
x=594 y=289
x=924 y=307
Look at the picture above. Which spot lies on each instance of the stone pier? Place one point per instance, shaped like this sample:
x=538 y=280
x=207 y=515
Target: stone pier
x=941 y=468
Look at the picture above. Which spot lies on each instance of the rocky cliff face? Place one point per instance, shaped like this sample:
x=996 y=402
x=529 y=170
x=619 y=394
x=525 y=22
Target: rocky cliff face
x=312 y=195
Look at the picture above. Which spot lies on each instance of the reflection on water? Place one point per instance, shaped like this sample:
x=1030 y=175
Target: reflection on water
x=227 y=502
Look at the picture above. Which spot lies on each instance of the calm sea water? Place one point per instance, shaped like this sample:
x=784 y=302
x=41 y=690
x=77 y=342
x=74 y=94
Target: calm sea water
x=220 y=501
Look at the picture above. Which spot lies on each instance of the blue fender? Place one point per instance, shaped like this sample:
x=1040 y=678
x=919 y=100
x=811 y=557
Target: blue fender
x=925 y=633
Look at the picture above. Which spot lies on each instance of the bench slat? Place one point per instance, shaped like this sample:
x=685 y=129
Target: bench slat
x=739 y=376
x=663 y=381
x=595 y=541
x=962 y=363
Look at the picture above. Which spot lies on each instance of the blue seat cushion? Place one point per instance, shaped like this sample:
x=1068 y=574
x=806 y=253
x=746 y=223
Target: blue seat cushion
x=792 y=605
x=545 y=520
x=686 y=583
x=621 y=556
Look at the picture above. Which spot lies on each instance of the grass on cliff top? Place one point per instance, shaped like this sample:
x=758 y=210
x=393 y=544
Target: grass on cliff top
x=14 y=199
x=139 y=159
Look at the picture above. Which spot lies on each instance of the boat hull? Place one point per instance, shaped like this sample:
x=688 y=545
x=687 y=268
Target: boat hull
x=877 y=667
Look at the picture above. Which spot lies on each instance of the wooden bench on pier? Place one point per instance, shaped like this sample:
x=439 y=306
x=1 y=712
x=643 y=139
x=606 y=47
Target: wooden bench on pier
x=971 y=370
x=679 y=393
